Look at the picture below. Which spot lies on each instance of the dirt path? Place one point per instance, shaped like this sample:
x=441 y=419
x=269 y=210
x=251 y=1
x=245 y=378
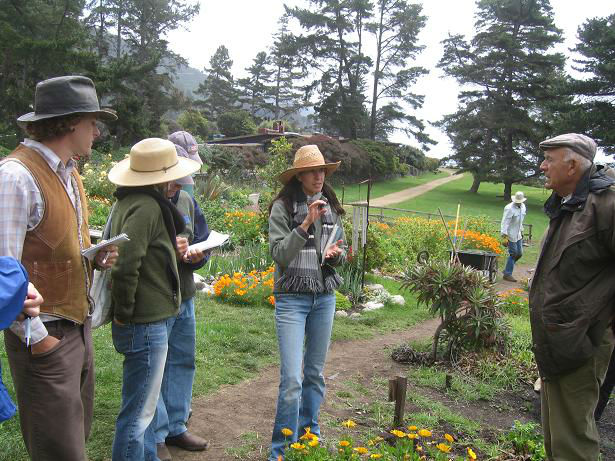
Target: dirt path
x=415 y=191
x=225 y=417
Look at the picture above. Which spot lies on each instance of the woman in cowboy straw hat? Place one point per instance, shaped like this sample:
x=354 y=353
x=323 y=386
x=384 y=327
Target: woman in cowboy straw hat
x=511 y=229
x=145 y=289
x=305 y=238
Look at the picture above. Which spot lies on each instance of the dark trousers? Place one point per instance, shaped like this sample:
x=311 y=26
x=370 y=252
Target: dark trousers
x=606 y=389
x=55 y=392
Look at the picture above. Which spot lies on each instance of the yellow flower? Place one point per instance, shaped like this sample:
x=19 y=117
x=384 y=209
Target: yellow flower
x=471 y=454
x=313 y=443
x=449 y=438
x=286 y=432
x=425 y=433
x=444 y=448
x=412 y=428
x=376 y=456
x=397 y=433
x=297 y=446
x=344 y=443
x=280 y=458
x=361 y=450
x=349 y=423
x=412 y=436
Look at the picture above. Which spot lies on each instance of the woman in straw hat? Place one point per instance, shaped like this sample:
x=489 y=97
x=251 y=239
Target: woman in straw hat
x=305 y=237
x=145 y=288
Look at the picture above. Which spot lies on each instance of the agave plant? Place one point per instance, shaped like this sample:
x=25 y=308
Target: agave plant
x=465 y=301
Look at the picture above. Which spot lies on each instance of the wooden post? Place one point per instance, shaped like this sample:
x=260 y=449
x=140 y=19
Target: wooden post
x=397 y=393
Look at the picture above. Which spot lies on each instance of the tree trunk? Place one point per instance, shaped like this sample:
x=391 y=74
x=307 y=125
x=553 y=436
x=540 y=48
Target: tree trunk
x=475 y=184
x=507 y=191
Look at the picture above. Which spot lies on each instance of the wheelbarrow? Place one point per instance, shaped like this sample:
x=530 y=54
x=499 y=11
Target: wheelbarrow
x=480 y=260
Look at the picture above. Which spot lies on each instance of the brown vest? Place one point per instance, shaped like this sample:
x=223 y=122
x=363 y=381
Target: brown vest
x=51 y=252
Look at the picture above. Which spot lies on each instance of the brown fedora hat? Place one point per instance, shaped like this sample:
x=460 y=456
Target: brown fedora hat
x=151 y=161
x=308 y=158
x=71 y=94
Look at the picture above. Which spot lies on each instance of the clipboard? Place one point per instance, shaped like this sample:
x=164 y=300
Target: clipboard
x=90 y=253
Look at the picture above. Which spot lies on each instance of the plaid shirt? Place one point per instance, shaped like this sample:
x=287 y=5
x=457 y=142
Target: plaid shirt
x=22 y=208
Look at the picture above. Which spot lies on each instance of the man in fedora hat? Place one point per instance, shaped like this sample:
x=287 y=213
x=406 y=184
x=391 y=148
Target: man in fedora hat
x=44 y=223
x=572 y=296
x=511 y=229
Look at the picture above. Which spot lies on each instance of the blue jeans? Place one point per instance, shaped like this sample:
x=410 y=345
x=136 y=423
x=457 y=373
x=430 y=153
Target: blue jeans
x=176 y=392
x=301 y=318
x=515 y=250
x=144 y=346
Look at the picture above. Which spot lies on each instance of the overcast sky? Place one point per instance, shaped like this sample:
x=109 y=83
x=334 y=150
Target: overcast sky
x=246 y=27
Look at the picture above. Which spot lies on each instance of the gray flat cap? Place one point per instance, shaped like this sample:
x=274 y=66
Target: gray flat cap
x=579 y=143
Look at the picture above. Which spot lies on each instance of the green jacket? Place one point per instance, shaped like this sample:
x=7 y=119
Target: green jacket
x=145 y=280
x=285 y=244
x=572 y=294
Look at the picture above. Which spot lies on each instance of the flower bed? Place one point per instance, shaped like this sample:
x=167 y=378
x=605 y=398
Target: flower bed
x=249 y=288
x=393 y=247
x=409 y=444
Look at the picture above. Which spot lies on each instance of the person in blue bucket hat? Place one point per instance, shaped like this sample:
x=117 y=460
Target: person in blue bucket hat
x=14 y=289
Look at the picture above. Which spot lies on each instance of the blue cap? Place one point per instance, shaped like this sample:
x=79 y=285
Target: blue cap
x=13 y=290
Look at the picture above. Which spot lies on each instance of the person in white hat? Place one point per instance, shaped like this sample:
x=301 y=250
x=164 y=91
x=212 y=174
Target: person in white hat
x=145 y=286
x=511 y=229
x=305 y=240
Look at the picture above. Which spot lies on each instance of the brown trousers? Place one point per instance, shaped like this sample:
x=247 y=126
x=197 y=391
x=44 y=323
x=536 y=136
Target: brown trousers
x=55 y=392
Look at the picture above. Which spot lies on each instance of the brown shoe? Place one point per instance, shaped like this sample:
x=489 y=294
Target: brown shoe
x=163 y=452
x=510 y=278
x=187 y=441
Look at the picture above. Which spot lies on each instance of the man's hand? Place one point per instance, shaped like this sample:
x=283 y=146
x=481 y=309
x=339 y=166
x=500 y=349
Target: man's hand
x=48 y=343
x=31 y=304
x=106 y=257
x=505 y=240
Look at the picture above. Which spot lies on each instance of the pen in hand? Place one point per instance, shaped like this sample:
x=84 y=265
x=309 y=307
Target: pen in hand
x=105 y=258
x=28 y=328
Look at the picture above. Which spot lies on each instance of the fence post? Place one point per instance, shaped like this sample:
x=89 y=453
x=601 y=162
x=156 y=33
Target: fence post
x=397 y=393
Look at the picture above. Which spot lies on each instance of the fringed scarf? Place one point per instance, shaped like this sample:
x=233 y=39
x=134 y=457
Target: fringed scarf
x=301 y=276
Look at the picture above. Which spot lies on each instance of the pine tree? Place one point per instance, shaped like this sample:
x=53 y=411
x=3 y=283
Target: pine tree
x=333 y=47
x=256 y=89
x=595 y=112
x=511 y=76
x=288 y=96
x=218 y=89
x=396 y=27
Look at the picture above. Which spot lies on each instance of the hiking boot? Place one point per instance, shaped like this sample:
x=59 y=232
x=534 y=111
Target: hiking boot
x=187 y=441
x=163 y=452
x=509 y=278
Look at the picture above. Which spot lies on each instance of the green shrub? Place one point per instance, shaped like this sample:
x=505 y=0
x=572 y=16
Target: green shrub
x=527 y=441
x=342 y=303
x=236 y=123
x=383 y=157
x=465 y=301
x=193 y=121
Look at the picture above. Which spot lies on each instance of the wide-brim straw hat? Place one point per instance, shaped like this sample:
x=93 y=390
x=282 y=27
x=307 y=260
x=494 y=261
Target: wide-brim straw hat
x=151 y=161
x=519 y=197
x=59 y=96
x=308 y=158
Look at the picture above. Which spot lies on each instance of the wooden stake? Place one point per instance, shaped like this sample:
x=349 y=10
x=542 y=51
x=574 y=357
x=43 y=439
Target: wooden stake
x=400 y=399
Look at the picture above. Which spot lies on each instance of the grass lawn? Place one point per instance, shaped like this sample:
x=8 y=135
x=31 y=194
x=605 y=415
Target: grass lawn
x=229 y=350
x=488 y=202
x=355 y=192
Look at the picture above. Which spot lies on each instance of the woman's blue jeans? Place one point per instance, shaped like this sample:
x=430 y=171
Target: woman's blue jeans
x=144 y=346
x=173 y=406
x=303 y=323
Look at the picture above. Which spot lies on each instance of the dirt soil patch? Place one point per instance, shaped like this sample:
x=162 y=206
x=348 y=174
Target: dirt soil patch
x=237 y=420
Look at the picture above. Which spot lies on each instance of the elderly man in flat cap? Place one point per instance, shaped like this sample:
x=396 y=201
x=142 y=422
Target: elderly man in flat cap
x=44 y=224
x=572 y=296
